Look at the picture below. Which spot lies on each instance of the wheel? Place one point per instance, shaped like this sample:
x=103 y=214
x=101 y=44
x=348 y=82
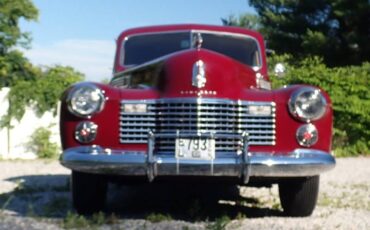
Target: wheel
x=298 y=196
x=88 y=192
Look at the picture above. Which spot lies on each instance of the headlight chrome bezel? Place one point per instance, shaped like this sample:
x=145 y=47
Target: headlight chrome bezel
x=298 y=112
x=96 y=102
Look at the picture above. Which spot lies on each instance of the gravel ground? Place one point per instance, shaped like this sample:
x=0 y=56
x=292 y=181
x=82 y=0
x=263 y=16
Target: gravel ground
x=35 y=195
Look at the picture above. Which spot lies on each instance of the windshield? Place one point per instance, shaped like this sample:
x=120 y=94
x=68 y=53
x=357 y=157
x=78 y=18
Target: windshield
x=146 y=47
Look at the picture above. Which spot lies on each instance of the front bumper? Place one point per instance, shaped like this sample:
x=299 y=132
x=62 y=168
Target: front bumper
x=299 y=163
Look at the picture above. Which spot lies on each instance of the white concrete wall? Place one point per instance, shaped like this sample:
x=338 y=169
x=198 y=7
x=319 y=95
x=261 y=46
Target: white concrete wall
x=13 y=142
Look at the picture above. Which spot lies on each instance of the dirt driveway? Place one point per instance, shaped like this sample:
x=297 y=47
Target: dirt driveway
x=35 y=195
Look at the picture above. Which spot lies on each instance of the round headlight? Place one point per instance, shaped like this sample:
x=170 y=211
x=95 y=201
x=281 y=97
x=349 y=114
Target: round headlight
x=307 y=104
x=85 y=100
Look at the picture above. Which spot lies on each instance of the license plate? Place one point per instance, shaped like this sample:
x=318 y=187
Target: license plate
x=195 y=148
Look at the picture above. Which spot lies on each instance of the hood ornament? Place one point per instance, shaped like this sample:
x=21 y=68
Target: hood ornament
x=198 y=40
x=199 y=74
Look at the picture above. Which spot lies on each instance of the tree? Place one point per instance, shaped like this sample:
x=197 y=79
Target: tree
x=11 y=11
x=29 y=85
x=50 y=86
x=337 y=30
x=13 y=65
x=42 y=94
x=249 y=21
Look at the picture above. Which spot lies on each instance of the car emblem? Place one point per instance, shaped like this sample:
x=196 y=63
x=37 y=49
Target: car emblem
x=199 y=74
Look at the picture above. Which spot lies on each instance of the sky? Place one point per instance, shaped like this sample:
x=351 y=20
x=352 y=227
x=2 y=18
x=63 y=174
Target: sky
x=82 y=33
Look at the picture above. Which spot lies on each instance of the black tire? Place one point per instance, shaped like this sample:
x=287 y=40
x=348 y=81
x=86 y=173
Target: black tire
x=88 y=192
x=298 y=196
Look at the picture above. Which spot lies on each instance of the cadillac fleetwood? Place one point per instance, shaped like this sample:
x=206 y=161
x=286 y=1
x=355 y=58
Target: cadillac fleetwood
x=195 y=102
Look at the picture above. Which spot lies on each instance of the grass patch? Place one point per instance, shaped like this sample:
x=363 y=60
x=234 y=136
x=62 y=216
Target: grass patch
x=158 y=217
x=75 y=221
x=219 y=224
x=240 y=216
x=352 y=200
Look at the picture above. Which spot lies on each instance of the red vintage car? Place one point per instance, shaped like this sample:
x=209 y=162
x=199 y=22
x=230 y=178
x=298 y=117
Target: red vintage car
x=195 y=101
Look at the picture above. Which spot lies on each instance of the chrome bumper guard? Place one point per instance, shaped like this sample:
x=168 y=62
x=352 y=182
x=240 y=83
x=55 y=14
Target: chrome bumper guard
x=95 y=159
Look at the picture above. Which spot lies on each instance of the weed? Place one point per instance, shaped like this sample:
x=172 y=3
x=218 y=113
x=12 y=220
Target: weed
x=240 y=216
x=40 y=143
x=8 y=199
x=112 y=219
x=158 y=217
x=324 y=200
x=73 y=220
x=345 y=200
x=30 y=210
x=98 y=219
x=219 y=223
x=364 y=187
x=276 y=204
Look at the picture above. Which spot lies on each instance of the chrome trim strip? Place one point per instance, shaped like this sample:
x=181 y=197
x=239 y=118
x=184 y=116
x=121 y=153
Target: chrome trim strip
x=215 y=101
x=299 y=163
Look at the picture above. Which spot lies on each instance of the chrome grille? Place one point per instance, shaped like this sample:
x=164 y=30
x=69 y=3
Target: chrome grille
x=198 y=115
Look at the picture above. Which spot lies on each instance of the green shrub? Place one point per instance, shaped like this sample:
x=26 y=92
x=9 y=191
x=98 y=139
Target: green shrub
x=40 y=144
x=348 y=88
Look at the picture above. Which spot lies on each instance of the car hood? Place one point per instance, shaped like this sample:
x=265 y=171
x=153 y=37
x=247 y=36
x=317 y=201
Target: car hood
x=190 y=73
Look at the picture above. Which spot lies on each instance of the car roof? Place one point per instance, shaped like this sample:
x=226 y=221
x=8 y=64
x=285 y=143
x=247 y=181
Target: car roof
x=184 y=27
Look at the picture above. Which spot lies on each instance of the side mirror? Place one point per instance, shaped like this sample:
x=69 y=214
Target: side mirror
x=279 y=70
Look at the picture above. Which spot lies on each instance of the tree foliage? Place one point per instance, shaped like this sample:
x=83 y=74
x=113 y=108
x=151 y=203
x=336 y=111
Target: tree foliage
x=321 y=42
x=42 y=93
x=337 y=30
x=348 y=88
x=11 y=11
x=13 y=65
x=249 y=21
x=29 y=85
